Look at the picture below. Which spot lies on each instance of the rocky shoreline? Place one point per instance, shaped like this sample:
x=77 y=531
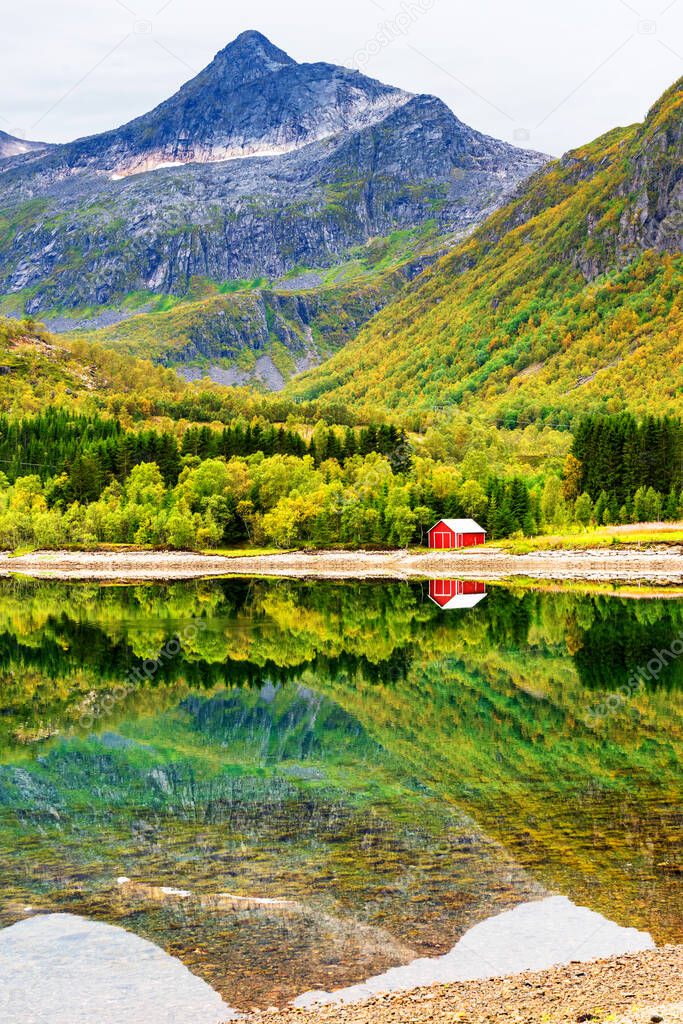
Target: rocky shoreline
x=657 y=565
x=633 y=989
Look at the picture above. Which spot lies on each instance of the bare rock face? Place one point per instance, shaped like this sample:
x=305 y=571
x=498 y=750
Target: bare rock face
x=252 y=100
x=10 y=146
x=256 y=166
x=646 y=184
x=655 y=220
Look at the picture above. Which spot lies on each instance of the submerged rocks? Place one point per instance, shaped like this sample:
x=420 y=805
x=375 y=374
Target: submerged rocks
x=532 y=936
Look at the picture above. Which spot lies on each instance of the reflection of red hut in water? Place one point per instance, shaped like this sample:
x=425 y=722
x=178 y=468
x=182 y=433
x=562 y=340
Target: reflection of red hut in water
x=456 y=593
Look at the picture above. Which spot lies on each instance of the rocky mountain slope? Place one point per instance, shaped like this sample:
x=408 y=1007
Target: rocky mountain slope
x=255 y=335
x=252 y=100
x=10 y=146
x=257 y=166
x=260 y=332
x=568 y=298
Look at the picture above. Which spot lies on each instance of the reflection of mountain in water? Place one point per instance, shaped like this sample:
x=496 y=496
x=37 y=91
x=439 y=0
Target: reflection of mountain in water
x=272 y=794
x=331 y=743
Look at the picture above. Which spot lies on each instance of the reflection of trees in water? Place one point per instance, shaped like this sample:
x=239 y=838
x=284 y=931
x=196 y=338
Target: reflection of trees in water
x=488 y=709
x=93 y=638
x=624 y=637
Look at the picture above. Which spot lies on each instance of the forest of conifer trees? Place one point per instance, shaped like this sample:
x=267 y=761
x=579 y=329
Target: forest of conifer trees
x=631 y=471
x=84 y=479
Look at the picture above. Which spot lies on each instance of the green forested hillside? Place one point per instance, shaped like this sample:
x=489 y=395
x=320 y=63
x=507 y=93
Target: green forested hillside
x=566 y=300
x=97 y=448
x=462 y=398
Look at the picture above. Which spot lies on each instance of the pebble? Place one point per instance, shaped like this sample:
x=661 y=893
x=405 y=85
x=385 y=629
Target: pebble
x=554 y=996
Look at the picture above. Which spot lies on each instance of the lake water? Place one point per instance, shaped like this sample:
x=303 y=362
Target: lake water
x=299 y=786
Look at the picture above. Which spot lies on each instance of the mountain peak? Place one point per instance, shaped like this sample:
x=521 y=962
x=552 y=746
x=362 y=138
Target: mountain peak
x=250 y=56
x=252 y=100
x=253 y=39
x=257 y=165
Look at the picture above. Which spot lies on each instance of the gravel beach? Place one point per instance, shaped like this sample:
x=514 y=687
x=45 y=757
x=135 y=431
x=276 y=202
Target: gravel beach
x=633 y=989
x=659 y=565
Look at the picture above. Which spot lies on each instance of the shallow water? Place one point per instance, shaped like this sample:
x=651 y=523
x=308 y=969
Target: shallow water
x=388 y=774
x=63 y=969
x=530 y=937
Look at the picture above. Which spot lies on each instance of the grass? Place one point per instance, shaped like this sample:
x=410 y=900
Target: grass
x=245 y=552
x=238 y=552
x=637 y=535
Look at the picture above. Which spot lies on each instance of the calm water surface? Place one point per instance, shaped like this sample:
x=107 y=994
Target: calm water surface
x=294 y=786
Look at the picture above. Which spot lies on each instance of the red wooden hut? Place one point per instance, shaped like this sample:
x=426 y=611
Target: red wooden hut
x=456 y=533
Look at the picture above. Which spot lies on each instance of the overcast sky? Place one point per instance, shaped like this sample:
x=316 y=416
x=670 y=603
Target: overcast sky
x=548 y=74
